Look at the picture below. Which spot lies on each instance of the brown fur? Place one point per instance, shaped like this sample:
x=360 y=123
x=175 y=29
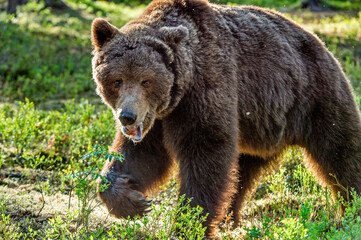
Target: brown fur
x=222 y=90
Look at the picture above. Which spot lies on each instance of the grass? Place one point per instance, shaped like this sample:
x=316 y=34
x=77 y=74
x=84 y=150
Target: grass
x=50 y=137
x=52 y=140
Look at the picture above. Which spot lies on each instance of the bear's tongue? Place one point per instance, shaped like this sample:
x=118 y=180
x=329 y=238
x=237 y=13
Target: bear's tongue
x=135 y=131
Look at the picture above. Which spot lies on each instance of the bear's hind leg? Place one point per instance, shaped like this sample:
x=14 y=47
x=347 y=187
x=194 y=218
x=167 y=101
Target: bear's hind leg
x=339 y=170
x=333 y=149
x=250 y=170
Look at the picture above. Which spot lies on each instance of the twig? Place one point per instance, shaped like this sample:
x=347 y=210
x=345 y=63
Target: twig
x=42 y=195
x=96 y=205
x=106 y=218
x=93 y=198
x=71 y=189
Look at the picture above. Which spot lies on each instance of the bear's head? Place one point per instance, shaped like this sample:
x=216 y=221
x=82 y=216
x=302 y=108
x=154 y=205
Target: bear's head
x=133 y=70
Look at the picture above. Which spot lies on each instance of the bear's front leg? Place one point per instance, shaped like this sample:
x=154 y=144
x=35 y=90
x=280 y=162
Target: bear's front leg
x=208 y=164
x=145 y=165
x=207 y=174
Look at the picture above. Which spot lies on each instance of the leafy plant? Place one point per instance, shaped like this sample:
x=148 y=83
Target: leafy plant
x=84 y=183
x=166 y=221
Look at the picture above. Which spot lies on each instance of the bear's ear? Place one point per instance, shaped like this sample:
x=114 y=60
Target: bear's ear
x=174 y=35
x=102 y=32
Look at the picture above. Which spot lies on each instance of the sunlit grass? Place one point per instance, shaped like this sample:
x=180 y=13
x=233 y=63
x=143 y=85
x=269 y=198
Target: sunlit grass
x=338 y=25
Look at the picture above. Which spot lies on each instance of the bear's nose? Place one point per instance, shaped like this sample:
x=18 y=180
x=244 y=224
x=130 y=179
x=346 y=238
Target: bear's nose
x=127 y=118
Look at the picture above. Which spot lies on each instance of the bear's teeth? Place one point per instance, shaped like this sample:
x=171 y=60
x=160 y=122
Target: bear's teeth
x=139 y=133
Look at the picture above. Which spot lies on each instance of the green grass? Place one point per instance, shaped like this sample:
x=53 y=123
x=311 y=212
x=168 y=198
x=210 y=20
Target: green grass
x=50 y=137
x=52 y=140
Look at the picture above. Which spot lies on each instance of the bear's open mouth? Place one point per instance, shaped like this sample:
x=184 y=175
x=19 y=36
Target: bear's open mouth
x=135 y=132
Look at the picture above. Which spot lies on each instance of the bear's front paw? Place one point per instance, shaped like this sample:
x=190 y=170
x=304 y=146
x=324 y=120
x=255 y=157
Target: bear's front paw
x=123 y=201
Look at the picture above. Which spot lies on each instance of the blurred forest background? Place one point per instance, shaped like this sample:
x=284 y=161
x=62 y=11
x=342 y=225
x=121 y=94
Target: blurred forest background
x=54 y=132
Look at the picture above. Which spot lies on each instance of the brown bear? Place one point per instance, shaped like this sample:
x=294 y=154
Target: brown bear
x=223 y=91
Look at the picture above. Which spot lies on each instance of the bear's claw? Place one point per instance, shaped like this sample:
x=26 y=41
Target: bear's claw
x=142 y=198
x=123 y=201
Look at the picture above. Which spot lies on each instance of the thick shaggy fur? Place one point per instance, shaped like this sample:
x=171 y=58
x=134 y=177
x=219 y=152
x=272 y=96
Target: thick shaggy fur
x=227 y=89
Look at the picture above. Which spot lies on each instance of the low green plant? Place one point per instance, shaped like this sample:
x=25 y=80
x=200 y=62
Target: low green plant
x=296 y=224
x=60 y=227
x=8 y=230
x=350 y=225
x=84 y=183
x=166 y=221
x=2 y=158
x=259 y=232
x=52 y=139
x=13 y=131
x=312 y=221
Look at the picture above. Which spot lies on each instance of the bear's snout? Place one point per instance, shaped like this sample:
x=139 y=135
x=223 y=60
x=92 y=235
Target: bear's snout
x=127 y=117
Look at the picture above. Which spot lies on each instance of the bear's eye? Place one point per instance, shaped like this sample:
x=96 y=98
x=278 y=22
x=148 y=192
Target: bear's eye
x=118 y=83
x=146 y=83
